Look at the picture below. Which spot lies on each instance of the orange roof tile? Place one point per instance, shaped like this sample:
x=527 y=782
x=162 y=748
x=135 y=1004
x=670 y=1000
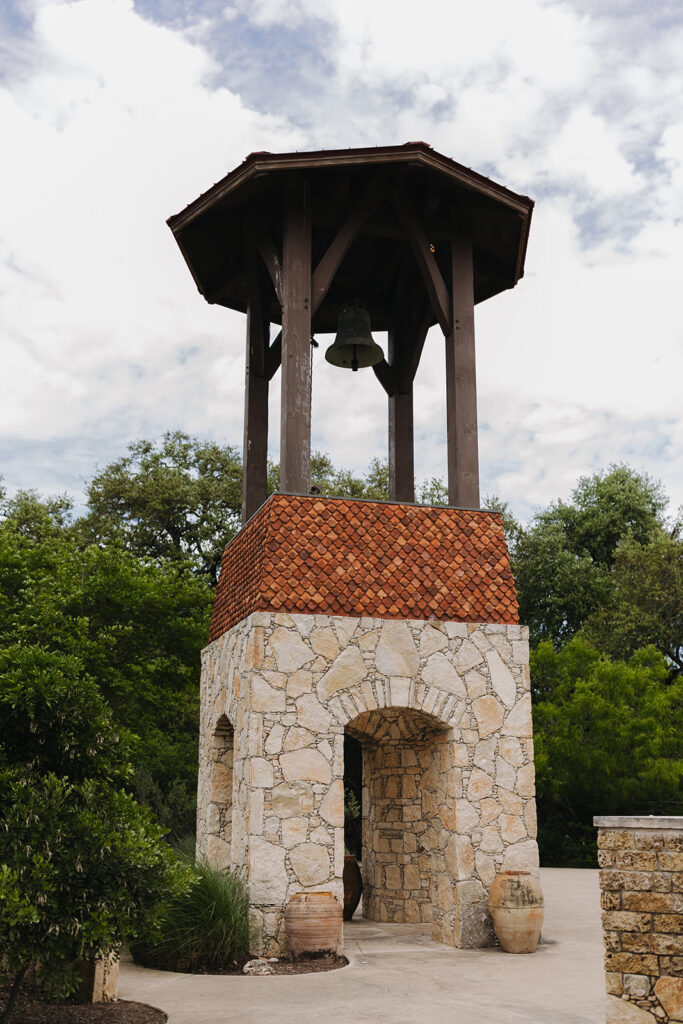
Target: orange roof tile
x=337 y=556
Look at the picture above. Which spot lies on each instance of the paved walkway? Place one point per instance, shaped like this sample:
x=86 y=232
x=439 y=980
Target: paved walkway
x=397 y=975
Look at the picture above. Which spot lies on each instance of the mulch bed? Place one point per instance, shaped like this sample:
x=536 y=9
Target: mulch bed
x=310 y=965
x=30 y=1010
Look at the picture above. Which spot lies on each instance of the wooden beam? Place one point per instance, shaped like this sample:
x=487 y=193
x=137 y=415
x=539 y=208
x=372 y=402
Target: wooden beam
x=414 y=343
x=274 y=357
x=385 y=376
x=429 y=268
x=255 y=449
x=401 y=447
x=271 y=259
x=295 y=429
x=369 y=201
x=461 y=380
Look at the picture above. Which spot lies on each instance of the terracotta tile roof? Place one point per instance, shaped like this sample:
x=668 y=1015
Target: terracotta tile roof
x=335 y=556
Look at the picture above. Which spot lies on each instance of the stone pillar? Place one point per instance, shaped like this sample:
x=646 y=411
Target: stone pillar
x=641 y=882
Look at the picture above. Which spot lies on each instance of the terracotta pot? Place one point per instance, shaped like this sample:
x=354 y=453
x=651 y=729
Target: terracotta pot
x=353 y=885
x=516 y=905
x=313 y=922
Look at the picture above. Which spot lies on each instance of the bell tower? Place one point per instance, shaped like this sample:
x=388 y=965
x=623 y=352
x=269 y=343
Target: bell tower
x=391 y=623
x=394 y=239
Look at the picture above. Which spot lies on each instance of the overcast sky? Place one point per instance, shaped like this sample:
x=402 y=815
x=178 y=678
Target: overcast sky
x=115 y=114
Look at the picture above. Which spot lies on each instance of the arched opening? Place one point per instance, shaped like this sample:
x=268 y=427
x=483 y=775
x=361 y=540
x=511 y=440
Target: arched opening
x=408 y=812
x=219 y=846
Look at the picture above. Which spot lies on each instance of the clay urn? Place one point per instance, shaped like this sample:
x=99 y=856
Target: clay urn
x=313 y=922
x=353 y=885
x=516 y=906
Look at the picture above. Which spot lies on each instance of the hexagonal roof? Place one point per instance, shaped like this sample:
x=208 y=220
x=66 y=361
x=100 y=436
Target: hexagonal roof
x=379 y=264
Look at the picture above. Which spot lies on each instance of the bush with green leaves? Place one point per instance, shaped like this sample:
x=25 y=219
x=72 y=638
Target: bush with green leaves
x=201 y=930
x=608 y=741
x=83 y=868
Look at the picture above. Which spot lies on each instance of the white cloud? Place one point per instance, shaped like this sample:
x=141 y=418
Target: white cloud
x=111 y=122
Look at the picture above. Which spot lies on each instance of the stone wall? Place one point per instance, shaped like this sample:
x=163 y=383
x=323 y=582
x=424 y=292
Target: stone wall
x=444 y=715
x=641 y=882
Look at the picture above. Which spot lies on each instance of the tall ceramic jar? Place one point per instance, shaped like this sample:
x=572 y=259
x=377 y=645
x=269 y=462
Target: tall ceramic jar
x=353 y=885
x=313 y=922
x=516 y=906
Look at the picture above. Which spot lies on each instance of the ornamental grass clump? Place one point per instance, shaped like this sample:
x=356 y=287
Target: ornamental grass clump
x=203 y=930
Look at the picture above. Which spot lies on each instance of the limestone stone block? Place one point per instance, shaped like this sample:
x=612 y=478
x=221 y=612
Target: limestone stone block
x=484 y=754
x=510 y=749
x=304 y=623
x=297 y=738
x=266 y=698
x=310 y=863
x=480 y=785
x=345 y=627
x=305 y=765
x=299 y=683
x=346 y=670
x=473 y=927
x=467 y=656
x=530 y=818
x=518 y=721
x=254 y=653
x=393 y=876
x=501 y=679
x=400 y=692
x=490 y=841
x=292 y=798
x=511 y=828
x=218 y=852
x=466 y=816
x=485 y=867
x=261 y=772
x=455 y=630
x=526 y=784
x=396 y=653
x=289 y=650
x=320 y=835
x=369 y=641
x=621 y=1011
x=489 y=715
x=439 y=672
x=459 y=857
x=669 y=991
x=255 y=811
x=411 y=877
x=522 y=856
x=506 y=775
x=460 y=755
x=312 y=715
x=636 y=985
x=294 y=831
x=324 y=642
x=510 y=802
x=267 y=878
x=273 y=744
x=490 y=809
x=476 y=684
x=520 y=652
x=332 y=806
x=432 y=640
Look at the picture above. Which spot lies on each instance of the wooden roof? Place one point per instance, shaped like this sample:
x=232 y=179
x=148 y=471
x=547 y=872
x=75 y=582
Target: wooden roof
x=379 y=264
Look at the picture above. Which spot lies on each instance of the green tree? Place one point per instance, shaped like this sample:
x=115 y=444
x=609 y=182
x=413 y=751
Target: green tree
x=563 y=561
x=137 y=627
x=646 y=601
x=607 y=741
x=82 y=866
x=177 y=500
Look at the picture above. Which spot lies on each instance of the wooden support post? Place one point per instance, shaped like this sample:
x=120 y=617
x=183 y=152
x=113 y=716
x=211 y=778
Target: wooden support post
x=461 y=381
x=401 y=449
x=295 y=423
x=255 y=448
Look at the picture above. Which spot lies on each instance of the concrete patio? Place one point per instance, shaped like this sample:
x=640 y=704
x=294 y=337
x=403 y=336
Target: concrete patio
x=397 y=975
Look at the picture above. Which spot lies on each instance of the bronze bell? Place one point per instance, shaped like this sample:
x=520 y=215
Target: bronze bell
x=354 y=345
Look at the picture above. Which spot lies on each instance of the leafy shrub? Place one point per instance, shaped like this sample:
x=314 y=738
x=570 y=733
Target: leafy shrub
x=202 y=930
